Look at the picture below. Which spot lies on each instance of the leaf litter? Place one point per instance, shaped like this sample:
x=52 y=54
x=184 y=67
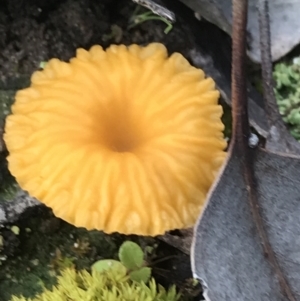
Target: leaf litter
x=246 y=244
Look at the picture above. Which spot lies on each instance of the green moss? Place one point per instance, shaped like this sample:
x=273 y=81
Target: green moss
x=48 y=247
x=287 y=90
x=8 y=186
x=6 y=100
x=105 y=286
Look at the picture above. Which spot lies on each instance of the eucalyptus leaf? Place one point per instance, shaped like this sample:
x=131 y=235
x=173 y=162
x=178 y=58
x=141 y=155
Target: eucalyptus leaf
x=227 y=253
x=131 y=255
x=285 y=23
x=247 y=241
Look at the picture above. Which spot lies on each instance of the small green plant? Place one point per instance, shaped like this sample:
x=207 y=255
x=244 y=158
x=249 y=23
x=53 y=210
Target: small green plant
x=287 y=91
x=138 y=18
x=109 y=280
x=131 y=261
x=60 y=262
x=42 y=64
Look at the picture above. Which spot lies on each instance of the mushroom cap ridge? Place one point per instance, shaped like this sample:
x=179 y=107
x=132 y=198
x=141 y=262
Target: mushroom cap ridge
x=124 y=140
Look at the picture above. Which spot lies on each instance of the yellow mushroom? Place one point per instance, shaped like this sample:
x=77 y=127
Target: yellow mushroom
x=125 y=140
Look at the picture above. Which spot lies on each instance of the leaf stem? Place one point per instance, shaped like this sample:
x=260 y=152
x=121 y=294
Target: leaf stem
x=240 y=121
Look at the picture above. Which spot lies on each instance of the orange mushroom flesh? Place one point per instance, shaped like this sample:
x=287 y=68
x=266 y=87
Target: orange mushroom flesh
x=125 y=140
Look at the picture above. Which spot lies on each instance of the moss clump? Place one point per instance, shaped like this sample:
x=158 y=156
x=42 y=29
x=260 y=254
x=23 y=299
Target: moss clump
x=110 y=285
x=287 y=90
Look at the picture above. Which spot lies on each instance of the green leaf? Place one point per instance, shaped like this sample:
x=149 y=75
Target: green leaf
x=109 y=264
x=141 y=275
x=131 y=255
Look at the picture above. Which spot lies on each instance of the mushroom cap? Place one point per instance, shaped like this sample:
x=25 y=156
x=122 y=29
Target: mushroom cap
x=125 y=140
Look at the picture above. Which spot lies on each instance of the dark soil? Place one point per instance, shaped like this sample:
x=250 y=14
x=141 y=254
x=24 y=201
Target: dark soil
x=44 y=245
x=32 y=31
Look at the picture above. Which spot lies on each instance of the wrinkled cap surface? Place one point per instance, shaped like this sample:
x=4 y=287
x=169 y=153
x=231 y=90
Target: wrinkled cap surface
x=125 y=140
